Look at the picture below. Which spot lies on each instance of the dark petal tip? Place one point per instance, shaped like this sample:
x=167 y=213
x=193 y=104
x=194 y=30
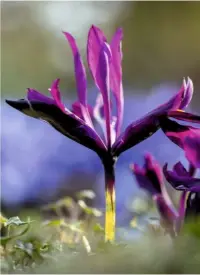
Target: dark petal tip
x=17 y=104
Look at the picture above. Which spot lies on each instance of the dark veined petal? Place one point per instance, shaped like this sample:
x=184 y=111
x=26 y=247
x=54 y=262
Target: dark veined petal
x=94 y=45
x=68 y=124
x=148 y=125
x=186 y=137
x=181 y=115
x=37 y=96
x=181 y=181
x=116 y=76
x=136 y=133
x=33 y=95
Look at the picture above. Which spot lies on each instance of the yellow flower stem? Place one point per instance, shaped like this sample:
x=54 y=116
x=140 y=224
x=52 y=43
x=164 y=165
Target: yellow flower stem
x=110 y=215
x=110 y=211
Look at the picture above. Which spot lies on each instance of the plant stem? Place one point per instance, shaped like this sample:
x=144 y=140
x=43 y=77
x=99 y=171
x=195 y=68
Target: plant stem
x=110 y=211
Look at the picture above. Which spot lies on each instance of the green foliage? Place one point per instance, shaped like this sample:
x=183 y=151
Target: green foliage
x=68 y=245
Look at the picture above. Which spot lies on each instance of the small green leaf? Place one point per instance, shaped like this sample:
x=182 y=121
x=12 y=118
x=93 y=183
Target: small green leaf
x=15 y=221
x=67 y=202
x=98 y=228
x=6 y=239
x=53 y=223
x=3 y=220
x=89 y=210
x=25 y=247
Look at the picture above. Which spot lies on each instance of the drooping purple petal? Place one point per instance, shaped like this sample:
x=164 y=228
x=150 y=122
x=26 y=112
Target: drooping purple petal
x=181 y=115
x=135 y=133
x=186 y=137
x=102 y=80
x=116 y=76
x=94 y=45
x=37 y=96
x=67 y=124
x=143 y=128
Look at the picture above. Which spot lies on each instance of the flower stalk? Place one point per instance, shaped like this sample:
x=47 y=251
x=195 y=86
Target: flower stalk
x=110 y=206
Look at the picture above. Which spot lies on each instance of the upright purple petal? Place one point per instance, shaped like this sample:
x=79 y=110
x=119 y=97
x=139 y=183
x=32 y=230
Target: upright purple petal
x=150 y=176
x=116 y=76
x=168 y=214
x=55 y=92
x=96 y=38
x=80 y=73
x=102 y=80
x=173 y=103
x=181 y=181
x=143 y=181
x=188 y=94
x=180 y=169
x=181 y=211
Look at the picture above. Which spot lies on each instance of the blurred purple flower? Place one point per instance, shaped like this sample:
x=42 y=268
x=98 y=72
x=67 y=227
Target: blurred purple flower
x=150 y=178
x=181 y=179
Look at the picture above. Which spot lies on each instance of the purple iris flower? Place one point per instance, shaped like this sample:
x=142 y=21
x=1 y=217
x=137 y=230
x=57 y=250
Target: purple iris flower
x=104 y=62
x=182 y=180
x=150 y=178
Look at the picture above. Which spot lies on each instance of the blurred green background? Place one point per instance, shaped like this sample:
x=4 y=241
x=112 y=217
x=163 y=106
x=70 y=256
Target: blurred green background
x=161 y=42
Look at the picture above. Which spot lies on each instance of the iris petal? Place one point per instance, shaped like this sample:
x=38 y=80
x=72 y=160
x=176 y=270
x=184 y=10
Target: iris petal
x=68 y=124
